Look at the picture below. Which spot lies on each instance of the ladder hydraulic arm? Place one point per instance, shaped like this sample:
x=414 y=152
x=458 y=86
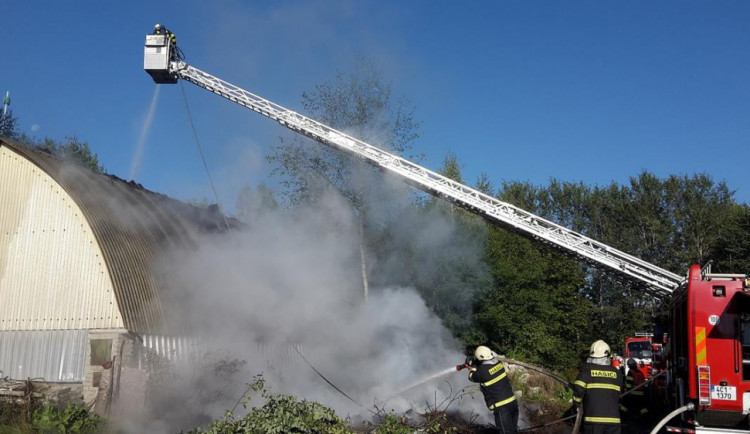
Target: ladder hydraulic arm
x=164 y=67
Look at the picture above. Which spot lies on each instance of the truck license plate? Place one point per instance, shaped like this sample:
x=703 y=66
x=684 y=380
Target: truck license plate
x=727 y=393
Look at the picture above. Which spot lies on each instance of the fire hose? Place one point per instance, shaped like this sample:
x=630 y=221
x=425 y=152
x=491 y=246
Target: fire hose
x=667 y=418
x=552 y=375
x=296 y=347
x=579 y=419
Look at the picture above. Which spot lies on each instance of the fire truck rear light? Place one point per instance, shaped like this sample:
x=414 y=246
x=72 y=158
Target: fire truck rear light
x=704 y=385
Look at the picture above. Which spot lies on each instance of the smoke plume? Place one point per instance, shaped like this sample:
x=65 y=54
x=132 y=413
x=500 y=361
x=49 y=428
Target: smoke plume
x=283 y=297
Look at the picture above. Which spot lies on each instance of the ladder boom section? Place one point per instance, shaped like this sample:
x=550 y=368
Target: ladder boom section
x=648 y=277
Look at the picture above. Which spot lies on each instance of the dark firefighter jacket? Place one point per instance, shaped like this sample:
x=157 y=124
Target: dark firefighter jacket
x=165 y=31
x=635 y=403
x=494 y=382
x=599 y=387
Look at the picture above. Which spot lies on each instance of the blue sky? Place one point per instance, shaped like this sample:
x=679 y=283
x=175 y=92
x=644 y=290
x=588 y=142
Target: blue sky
x=591 y=91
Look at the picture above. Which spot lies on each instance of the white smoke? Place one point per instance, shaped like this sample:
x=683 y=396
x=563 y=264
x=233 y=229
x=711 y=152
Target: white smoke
x=289 y=286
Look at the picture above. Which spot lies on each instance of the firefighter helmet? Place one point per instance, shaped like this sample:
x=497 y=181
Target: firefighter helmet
x=599 y=349
x=483 y=353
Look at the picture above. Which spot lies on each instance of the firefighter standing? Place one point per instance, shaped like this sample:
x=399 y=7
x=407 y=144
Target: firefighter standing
x=495 y=385
x=597 y=389
x=161 y=30
x=635 y=403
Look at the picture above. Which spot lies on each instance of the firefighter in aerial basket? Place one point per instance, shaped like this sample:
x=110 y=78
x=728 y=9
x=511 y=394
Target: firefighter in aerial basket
x=161 y=30
x=596 y=391
x=487 y=370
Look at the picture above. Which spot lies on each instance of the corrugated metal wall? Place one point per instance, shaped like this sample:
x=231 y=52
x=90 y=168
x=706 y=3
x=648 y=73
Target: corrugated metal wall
x=186 y=349
x=170 y=347
x=53 y=355
x=52 y=272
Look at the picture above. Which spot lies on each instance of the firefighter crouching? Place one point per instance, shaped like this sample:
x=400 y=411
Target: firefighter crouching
x=494 y=383
x=596 y=390
x=635 y=403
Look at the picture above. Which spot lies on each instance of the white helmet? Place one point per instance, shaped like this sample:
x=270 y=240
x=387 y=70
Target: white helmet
x=483 y=353
x=599 y=349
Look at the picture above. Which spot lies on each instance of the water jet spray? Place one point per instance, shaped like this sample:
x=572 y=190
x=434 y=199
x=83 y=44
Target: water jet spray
x=135 y=165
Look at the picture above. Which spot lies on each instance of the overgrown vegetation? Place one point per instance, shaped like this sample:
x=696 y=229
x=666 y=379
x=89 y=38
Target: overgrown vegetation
x=270 y=412
x=21 y=416
x=69 y=419
x=70 y=149
x=279 y=414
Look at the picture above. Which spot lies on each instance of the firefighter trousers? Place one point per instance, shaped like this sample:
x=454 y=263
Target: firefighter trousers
x=506 y=418
x=601 y=428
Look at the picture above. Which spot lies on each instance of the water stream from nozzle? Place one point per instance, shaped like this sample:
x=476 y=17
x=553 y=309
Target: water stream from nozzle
x=136 y=163
x=432 y=377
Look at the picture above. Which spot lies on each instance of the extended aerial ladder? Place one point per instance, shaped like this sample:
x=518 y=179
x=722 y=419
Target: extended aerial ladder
x=162 y=62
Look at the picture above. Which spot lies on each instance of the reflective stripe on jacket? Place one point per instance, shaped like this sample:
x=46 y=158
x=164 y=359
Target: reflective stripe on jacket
x=599 y=387
x=494 y=383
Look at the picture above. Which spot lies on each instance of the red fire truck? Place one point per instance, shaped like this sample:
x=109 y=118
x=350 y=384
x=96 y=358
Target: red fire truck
x=709 y=351
x=640 y=348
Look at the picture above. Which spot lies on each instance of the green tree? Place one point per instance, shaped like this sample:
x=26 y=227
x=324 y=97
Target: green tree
x=731 y=249
x=71 y=149
x=9 y=125
x=452 y=272
x=361 y=105
x=534 y=312
x=80 y=152
x=255 y=203
x=484 y=185
x=670 y=222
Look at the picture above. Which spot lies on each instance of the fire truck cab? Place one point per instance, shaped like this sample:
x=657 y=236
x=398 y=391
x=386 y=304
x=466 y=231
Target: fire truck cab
x=709 y=351
x=640 y=349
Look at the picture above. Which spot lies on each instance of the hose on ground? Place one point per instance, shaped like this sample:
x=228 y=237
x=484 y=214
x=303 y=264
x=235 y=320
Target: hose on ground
x=667 y=418
x=544 y=425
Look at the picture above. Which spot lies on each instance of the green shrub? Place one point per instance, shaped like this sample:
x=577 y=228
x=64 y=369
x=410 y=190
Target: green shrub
x=17 y=412
x=433 y=422
x=279 y=414
x=71 y=419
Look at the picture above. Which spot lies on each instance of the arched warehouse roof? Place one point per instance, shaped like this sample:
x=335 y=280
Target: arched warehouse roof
x=78 y=249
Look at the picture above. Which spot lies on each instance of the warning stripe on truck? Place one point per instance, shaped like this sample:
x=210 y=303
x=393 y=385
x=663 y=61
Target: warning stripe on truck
x=700 y=346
